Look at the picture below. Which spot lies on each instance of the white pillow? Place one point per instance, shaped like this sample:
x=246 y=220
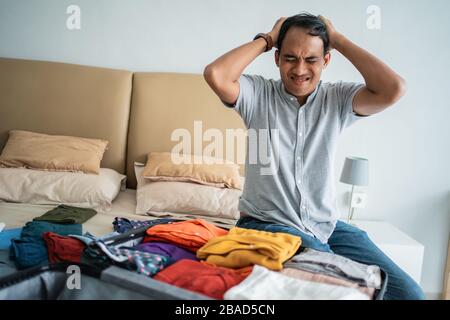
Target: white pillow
x=184 y=198
x=71 y=188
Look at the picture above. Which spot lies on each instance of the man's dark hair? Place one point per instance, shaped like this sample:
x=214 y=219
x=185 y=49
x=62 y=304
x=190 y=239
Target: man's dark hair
x=310 y=23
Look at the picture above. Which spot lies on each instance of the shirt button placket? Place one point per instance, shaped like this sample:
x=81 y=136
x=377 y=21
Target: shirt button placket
x=301 y=117
x=298 y=163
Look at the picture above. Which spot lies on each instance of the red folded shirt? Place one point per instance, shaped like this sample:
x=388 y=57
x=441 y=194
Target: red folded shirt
x=63 y=249
x=201 y=277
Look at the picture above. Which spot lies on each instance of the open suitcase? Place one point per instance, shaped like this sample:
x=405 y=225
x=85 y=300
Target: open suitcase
x=114 y=282
x=53 y=282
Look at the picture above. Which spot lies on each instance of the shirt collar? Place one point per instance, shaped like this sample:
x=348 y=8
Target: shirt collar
x=293 y=99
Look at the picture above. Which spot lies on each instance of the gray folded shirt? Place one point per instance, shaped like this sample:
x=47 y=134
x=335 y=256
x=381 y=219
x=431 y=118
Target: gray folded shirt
x=336 y=266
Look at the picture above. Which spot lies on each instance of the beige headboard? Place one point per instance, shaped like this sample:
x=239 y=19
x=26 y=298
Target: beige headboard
x=164 y=102
x=59 y=98
x=137 y=113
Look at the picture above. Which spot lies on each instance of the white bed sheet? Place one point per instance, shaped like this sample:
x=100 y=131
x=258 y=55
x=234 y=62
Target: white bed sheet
x=16 y=215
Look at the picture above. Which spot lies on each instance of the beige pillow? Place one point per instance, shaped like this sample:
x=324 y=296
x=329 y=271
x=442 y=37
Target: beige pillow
x=184 y=198
x=26 y=149
x=165 y=166
x=71 y=188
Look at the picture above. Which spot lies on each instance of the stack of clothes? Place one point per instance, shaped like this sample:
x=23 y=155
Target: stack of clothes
x=30 y=248
x=311 y=275
x=201 y=257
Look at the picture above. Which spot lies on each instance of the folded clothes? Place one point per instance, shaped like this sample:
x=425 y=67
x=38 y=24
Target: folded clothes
x=245 y=271
x=336 y=266
x=122 y=225
x=172 y=251
x=100 y=253
x=321 y=278
x=263 y=284
x=94 y=255
x=243 y=247
x=88 y=238
x=103 y=246
x=65 y=214
x=7 y=235
x=30 y=249
x=200 y=277
x=26 y=253
x=36 y=229
x=63 y=249
x=142 y=262
x=191 y=234
x=7 y=266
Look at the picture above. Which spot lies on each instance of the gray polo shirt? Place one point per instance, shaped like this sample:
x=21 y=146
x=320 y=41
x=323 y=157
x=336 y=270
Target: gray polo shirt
x=290 y=152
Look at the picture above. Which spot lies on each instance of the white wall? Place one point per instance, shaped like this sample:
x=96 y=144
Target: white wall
x=407 y=145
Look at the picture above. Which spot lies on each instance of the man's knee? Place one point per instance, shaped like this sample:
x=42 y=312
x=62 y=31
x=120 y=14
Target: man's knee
x=405 y=291
x=402 y=287
x=415 y=293
x=357 y=234
x=349 y=230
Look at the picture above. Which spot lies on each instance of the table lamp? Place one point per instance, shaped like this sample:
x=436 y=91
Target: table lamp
x=356 y=173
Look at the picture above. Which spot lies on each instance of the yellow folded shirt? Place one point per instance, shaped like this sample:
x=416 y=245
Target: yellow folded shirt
x=243 y=247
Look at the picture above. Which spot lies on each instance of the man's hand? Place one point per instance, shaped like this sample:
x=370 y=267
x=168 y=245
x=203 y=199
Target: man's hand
x=383 y=86
x=222 y=75
x=276 y=30
x=332 y=33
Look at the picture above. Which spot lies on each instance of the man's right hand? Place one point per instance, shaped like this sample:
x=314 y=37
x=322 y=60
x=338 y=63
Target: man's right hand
x=276 y=30
x=222 y=75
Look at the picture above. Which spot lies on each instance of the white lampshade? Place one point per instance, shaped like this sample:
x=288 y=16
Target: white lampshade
x=355 y=171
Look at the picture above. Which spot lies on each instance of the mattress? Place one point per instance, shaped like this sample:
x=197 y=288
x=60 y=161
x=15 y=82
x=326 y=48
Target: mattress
x=16 y=215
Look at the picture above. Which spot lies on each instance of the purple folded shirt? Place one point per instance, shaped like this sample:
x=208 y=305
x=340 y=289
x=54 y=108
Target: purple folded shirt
x=174 y=252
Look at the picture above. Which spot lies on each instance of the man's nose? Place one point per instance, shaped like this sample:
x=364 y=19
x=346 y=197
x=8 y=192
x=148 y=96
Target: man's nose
x=300 y=68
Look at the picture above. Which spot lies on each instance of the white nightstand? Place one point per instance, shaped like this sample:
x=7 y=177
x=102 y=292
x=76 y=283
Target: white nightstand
x=406 y=252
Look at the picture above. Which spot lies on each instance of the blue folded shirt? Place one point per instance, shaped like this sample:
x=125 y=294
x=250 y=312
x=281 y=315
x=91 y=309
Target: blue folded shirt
x=7 y=235
x=30 y=249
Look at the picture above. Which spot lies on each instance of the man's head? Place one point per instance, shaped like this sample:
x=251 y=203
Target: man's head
x=303 y=52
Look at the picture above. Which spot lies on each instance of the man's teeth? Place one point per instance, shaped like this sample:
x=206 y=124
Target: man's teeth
x=301 y=79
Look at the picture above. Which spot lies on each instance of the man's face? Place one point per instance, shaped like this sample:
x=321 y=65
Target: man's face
x=301 y=62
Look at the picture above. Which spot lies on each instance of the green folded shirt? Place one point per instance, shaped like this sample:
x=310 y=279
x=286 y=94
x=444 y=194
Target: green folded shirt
x=65 y=214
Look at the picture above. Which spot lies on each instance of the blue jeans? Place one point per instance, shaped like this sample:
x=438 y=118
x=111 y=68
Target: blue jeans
x=352 y=243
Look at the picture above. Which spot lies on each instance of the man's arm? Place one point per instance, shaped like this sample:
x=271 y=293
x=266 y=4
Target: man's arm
x=383 y=87
x=223 y=74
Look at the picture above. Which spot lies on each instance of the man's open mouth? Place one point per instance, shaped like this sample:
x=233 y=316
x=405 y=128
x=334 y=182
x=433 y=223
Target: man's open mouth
x=300 y=80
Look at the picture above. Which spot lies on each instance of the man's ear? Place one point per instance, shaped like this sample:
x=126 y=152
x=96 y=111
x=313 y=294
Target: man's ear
x=277 y=57
x=326 y=59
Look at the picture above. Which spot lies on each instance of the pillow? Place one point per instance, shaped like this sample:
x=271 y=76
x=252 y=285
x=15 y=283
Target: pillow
x=71 y=188
x=161 y=198
x=26 y=149
x=204 y=170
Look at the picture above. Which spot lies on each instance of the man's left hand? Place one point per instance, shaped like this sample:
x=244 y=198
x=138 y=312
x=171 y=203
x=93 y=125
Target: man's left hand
x=332 y=33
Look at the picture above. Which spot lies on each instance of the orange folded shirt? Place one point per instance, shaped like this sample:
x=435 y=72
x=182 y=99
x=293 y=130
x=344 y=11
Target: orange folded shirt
x=190 y=234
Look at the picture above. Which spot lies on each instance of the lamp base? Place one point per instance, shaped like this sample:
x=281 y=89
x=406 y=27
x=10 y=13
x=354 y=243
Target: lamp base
x=350 y=217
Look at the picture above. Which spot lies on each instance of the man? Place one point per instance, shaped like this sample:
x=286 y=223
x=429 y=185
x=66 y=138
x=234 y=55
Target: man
x=309 y=116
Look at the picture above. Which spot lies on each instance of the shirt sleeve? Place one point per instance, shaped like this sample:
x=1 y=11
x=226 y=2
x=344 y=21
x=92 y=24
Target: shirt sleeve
x=346 y=91
x=250 y=87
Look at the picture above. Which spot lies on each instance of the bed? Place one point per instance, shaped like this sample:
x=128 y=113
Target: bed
x=136 y=112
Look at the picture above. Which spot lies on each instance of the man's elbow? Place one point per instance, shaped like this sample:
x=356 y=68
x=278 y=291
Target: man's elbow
x=207 y=73
x=210 y=76
x=398 y=90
